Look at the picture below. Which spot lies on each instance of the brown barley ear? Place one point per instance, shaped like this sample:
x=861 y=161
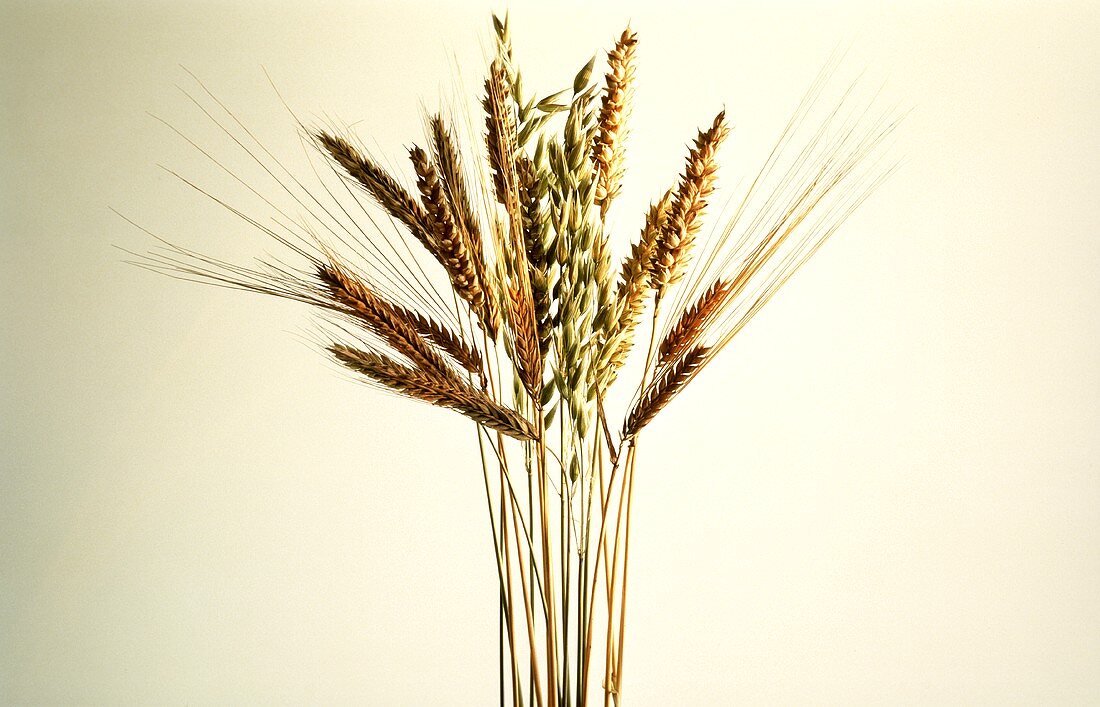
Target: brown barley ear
x=693 y=322
x=662 y=390
x=415 y=383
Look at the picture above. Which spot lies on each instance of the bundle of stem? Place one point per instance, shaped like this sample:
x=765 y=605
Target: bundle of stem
x=518 y=245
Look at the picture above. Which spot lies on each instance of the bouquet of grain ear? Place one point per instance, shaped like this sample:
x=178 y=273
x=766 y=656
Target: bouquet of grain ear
x=541 y=315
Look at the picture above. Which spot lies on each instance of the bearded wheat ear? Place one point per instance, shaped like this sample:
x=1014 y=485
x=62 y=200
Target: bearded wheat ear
x=442 y=392
x=450 y=246
x=500 y=136
x=385 y=190
x=449 y=341
x=384 y=319
x=662 y=390
x=532 y=190
x=501 y=142
x=635 y=284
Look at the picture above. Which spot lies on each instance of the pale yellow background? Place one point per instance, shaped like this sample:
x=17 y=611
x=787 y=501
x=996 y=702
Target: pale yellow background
x=886 y=492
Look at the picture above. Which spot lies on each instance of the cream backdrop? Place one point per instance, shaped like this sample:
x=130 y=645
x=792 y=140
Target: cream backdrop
x=885 y=492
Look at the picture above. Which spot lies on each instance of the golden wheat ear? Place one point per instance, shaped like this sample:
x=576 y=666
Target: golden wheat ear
x=684 y=217
x=417 y=384
x=634 y=286
x=450 y=247
x=500 y=135
x=608 y=148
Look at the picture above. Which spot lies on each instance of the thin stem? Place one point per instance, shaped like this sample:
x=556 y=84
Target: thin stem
x=535 y=678
x=628 y=481
x=548 y=583
x=496 y=549
x=530 y=541
x=625 y=497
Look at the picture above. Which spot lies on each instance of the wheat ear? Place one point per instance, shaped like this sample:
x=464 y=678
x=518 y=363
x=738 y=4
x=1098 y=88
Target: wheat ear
x=385 y=190
x=383 y=319
x=607 y=150
x=526 y=341
x=531 y=192
x=634 y=284
x=448 y=340
x=448 y=161
x=500 y=136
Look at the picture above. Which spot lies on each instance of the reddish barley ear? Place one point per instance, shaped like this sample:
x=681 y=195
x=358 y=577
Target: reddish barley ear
x=693 y=322
x=661 y=391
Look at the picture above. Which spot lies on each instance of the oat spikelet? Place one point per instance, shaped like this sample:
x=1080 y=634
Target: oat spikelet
x=608 y=147
x=384 y=319
x=662 y=390
x=500 y=136
x=693 y=322
x=696 y=184
x=451 y=247
x=385 y=190
x=444 y=393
